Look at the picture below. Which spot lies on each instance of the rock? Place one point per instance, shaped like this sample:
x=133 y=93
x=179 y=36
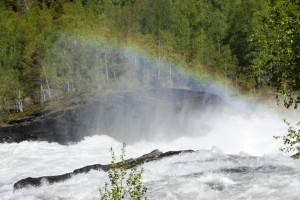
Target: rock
x=296 y=156
x=148 y=112
x=240 y=169
x=152 y=156
x=216 y=186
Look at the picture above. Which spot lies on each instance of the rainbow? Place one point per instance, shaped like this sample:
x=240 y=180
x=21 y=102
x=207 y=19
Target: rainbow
x=134 y=67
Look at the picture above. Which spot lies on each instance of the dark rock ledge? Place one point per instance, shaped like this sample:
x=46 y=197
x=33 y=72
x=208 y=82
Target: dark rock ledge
x=152 y=156
x=136 y=111
x=296 y=156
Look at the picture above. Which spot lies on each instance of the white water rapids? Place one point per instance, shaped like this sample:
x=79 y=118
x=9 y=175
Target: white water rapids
x=235 y=142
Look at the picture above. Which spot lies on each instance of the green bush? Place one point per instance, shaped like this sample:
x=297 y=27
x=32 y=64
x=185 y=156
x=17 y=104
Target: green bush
x=123 y=184
x=291 y=140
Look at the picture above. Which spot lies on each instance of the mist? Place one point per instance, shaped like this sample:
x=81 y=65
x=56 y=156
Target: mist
x=149 y=108
x=135 y=98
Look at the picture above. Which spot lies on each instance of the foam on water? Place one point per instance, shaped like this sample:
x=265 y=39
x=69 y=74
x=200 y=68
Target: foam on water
x=235 y=142
x=231 y=142
x=200 y=175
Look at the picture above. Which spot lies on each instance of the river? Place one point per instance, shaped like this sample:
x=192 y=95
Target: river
x=236 y=158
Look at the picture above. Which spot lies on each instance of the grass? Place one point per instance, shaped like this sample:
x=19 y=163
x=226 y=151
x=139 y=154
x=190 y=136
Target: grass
x=30 y=112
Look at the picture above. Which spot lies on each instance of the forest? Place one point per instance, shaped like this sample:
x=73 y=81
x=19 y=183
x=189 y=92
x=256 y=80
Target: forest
x=52 y=50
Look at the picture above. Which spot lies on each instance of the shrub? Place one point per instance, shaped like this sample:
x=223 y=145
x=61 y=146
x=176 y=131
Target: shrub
x=123 y=184
x=291 y=140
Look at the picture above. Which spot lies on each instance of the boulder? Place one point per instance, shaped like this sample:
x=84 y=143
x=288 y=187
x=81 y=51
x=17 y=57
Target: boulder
x=38 y=181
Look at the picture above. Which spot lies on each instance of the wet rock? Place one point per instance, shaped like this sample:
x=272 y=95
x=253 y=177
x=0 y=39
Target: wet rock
x=38 y=181
x=240 y=169
x=140 y=113
x=296 y=156
x=216 y=186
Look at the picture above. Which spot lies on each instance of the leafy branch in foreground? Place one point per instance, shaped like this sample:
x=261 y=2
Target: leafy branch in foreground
x=291 y=140
x=123 y=184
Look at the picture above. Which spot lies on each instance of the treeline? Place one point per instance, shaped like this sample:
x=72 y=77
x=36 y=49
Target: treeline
x=55 y=49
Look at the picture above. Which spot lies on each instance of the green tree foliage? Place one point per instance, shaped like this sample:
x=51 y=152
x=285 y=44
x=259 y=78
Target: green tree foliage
x=11 y=65
x=46 y=47
x=244 y=17
x=291 y=140
x=278 y=38
x=123 y=184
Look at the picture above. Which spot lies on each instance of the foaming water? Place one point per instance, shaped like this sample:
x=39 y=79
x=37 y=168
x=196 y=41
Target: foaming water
x=205 y=174
x=236 y=159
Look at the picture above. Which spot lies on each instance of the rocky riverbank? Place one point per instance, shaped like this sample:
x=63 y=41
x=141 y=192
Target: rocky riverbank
x=136 y=112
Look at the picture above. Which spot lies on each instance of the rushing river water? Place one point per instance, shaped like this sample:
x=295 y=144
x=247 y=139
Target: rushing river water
x=236 y=159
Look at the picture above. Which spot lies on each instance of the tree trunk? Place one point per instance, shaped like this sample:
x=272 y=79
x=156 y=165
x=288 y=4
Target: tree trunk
x=106 y=66
x=219 y=43
x=48 y=90
x=72 y=85
x=42 y=99
x=47 y=83
x=225 y=75
x=20 y=105
x=159 y=55
x=170 y=77
x=68 y=87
